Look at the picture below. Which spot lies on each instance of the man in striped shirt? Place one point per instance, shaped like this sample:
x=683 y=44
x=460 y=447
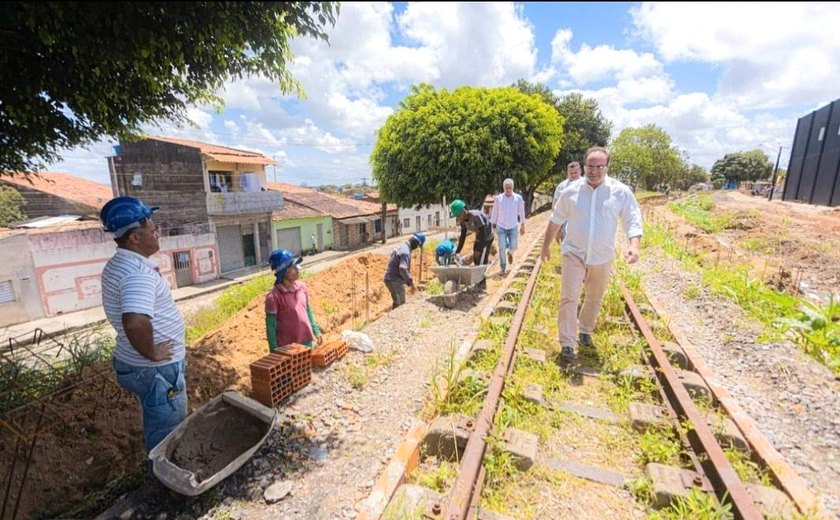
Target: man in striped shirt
x=149 y=358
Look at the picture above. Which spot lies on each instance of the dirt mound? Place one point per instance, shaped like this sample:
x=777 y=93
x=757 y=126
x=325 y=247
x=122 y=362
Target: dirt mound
x=103 y=440
x=787 y=244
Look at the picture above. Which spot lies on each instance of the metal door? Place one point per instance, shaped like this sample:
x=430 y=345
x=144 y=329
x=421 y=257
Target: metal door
x=230 y=248
x=183 y=272
x=289 y=238
x=249 y=250
x=320 y=237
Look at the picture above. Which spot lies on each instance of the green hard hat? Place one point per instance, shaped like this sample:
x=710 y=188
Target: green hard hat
x=456 y=207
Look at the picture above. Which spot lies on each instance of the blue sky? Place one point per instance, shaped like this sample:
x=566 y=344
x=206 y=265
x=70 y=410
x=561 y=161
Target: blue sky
x=719 y=78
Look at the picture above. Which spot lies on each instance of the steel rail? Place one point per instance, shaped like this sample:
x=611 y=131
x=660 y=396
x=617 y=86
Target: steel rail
x=460 y=498
x=725 y=481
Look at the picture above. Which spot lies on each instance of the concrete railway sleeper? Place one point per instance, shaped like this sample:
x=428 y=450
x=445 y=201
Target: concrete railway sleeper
x=531 y=441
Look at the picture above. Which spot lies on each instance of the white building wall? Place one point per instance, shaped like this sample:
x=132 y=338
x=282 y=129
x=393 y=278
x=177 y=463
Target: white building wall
x=68 y=265
x=432 y=217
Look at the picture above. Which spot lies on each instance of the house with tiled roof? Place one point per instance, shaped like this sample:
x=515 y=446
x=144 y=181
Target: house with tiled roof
x=54 y=194
x=354 y=222
x=300 y=228
x=203 y=187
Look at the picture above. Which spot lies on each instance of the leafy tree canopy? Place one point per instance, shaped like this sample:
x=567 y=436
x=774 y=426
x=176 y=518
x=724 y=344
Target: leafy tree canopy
x=463 y=144
x=584 y=125
x=79 y=71
x=645 y=157
x=743 y=166
x=11 y=206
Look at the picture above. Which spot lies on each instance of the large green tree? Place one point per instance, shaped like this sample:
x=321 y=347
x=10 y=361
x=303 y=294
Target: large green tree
x=11 y=206
x=688 y=175
x=78 y=71
x=743 y=166
x=645 y=157
x=463 y=143
x=584 y=126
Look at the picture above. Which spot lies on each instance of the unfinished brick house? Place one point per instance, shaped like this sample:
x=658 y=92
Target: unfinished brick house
x=203 y=187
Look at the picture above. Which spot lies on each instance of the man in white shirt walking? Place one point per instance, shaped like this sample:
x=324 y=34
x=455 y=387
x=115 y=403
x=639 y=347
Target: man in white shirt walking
x=572 y=174
x=508 y=215
x=591 y=210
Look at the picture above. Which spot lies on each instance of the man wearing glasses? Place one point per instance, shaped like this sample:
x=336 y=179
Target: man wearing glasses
x=591 y=210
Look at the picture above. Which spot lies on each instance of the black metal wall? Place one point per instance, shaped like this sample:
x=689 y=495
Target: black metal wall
x=814 y=168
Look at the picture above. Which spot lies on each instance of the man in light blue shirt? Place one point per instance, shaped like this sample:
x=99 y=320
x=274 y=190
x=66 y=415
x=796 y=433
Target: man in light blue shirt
x=149 y=358
x=591 y=210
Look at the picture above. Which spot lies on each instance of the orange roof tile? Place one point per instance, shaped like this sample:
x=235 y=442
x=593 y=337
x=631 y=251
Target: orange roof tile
x=219 y=153
x=64 y=185
x=292 y=210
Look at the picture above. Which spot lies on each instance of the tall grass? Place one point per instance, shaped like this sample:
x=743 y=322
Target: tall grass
x=815 y=328
x=229 y=303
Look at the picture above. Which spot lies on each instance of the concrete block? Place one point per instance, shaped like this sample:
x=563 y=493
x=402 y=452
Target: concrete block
x=498 y=321
x=771 y=502
x=695 y=384
x=533 y=393
x=676 y=356
x=504 y=308
x=512 y=295
x=644 y=416
x=413 y=501
x=670 y=483
x=585 y=471
x=586 y=411
x=636 y=373
x=481 y=346
x=522 y=446
x=447 y=436
x=727 y=433
x=541 y=329
x=484 y=514
x=535 y=355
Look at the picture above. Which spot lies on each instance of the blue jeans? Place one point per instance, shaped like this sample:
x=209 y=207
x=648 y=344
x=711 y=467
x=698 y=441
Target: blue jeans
x=163 y=394
x=508 y=239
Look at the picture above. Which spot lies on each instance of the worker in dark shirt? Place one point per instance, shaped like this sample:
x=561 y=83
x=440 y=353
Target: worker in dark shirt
x=477 y=222
x=398 y=272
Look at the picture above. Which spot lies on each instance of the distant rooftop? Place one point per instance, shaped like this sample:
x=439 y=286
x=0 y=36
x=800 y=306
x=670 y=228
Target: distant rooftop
x=219 y=153
x=76 y=189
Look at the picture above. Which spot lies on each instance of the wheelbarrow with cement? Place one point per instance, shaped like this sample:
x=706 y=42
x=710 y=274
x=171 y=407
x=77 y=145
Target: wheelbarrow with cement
x=456 y=278
x=212 y=443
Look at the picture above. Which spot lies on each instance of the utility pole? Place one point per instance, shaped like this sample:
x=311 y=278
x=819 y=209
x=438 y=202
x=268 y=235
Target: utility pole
x=775 y=172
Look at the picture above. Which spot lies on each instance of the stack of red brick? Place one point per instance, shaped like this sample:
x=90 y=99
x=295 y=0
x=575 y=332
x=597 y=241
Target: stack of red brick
x=328 y=352
x=275 y=376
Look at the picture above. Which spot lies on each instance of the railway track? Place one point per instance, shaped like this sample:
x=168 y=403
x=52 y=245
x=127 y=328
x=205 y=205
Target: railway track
x=627 y=430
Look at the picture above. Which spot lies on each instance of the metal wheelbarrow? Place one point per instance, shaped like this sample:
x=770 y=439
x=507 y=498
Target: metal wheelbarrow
x=456 y=278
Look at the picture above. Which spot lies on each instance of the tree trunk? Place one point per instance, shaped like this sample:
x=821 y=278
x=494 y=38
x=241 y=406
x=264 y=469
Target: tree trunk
x=528 y=195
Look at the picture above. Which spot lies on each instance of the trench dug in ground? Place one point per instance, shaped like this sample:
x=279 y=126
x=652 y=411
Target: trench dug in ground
x=785 y=242
x=103 y=442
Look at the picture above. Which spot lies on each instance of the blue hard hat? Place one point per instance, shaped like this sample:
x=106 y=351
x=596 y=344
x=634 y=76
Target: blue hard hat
x=421 y=237
x=121 y=214
x=280 y=260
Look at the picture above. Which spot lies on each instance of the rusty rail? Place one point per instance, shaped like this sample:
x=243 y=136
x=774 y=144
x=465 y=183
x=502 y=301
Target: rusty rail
x=725 y=481
x=460 y=498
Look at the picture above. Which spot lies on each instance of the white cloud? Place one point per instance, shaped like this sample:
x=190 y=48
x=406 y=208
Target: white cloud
x=772 y=55
x=483 y=44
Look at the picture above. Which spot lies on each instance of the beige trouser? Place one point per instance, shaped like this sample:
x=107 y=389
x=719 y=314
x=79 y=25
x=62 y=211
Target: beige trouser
x=595 y=279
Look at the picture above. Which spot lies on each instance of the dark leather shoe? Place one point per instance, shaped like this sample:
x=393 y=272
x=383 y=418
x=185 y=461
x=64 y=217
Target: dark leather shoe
x=586 y=340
